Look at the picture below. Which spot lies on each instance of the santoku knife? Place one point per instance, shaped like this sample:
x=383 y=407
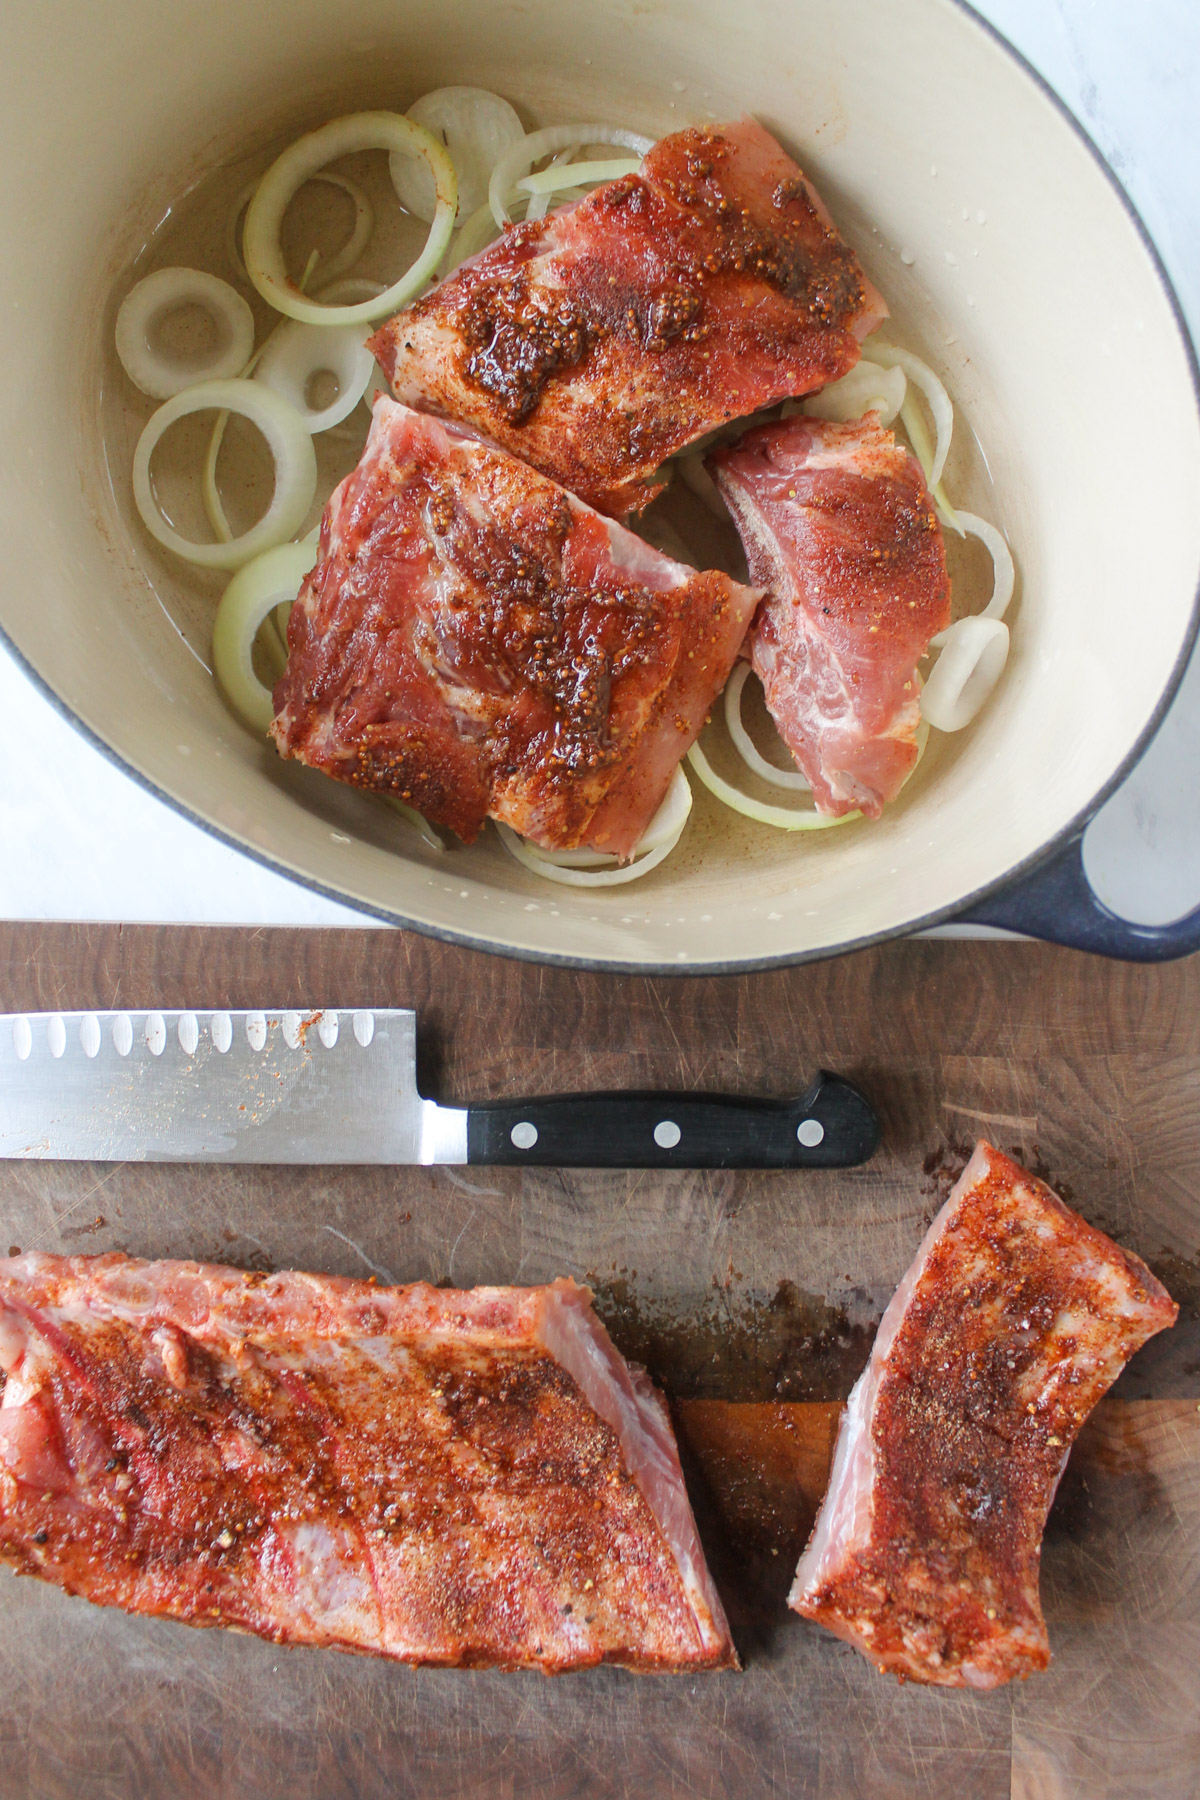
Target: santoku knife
x=341 y=1087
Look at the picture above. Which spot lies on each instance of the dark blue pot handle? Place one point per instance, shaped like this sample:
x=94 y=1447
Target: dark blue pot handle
x=1056 y=903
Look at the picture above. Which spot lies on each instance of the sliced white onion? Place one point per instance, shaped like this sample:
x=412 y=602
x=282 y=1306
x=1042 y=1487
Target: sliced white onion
x=538 y=205
x=420 y=825
x=671 y=817
x=613 y=876
x=474 y=235
x=519 y=160
x=357 y=287
x=297 y=353
x=275 y=635
x=342 y=137
x=867 y=388
x=477 y=127
x=584 y=174
x=913 y=421
x=744 y=744
x=785 y=818
x=209 y=492
x=1003 y=576
x=593 y=868
x=351 y=426
x=272 y=579
x=664 y=828
x=144 y=308
x=295 y=470
x=349 y=287
x=971 y=663
x=343 y=260
x=585 y=878
x=233 y=229
x=923 y=377
x=568 y=859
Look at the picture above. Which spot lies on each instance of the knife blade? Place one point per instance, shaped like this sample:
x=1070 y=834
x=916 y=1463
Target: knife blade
x=340 y=1086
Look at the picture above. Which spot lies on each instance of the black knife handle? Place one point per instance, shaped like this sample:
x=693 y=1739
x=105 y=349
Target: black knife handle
x=832 y=1126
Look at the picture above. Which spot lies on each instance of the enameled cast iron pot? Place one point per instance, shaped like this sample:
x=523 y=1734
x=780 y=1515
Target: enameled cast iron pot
x=1008 y=254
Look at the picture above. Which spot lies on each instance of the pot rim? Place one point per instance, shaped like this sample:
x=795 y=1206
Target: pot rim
x=786 y=959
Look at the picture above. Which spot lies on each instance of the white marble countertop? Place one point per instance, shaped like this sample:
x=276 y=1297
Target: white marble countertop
x=83 y=841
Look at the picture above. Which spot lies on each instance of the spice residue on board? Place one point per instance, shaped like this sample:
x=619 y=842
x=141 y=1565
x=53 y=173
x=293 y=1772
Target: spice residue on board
x=729 y=1345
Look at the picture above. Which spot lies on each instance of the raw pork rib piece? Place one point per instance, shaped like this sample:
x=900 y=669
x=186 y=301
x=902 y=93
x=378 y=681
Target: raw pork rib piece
x=599 y=340
x=470 y=1478
x=478 y=642
x=1012 y=1322
x=838 y=524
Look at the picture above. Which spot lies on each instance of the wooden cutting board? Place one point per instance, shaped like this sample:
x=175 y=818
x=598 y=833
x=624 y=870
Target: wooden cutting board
x=753 y=1299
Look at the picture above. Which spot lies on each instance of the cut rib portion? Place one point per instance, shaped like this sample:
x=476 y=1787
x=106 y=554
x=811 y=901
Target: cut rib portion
x=838 y=525
x=597 y=341
x=469 y=1478
x=479 y=643
x=1013 y=1321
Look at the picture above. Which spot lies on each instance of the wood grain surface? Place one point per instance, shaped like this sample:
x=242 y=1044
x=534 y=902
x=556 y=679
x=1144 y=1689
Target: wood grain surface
x=752 y=1297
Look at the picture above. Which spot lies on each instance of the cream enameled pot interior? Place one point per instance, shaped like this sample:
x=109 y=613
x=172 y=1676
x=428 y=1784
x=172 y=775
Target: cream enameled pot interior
x=1008 y=260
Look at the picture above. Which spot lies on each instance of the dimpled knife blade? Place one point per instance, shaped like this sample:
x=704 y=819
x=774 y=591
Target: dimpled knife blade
x=341 y=1087
x=254 y=1087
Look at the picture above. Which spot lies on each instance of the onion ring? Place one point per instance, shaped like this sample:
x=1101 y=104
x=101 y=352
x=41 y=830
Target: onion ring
x=596 y=868
x=341 y=137
x=343 y=260
x=166 y=289
x=296 y=352
x=744 y=744
x=585 y=878
x=520 y=159
x=784 y=817
x=295 y=470
x=972 y=661
x=475 y=233
x=477 y=127
x=270 y=580
x=1004 y=575
x=869 y=387
x=923 y=377
x=585 y=174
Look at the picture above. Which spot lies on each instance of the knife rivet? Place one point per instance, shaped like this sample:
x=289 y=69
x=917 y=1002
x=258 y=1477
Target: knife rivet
x=667 y=1134
x=810 y=1132
x=524 y=1135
